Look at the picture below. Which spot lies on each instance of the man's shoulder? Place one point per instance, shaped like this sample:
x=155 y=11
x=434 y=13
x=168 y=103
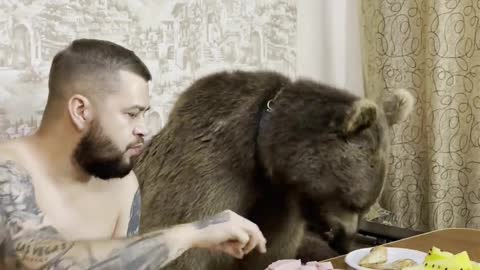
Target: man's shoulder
x=11 y=165
x=16 y=191
x=14 y=180
x=129 y=185
x=12 y=150
x=13 y=170
x=133 y=205
x=130 y=204
x=131 y=177
x=122 y=190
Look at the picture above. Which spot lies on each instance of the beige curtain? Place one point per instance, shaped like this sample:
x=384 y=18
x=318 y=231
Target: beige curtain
x=431 y=48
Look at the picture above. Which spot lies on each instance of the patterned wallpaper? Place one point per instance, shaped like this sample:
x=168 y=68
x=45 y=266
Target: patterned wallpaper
x=179 y=40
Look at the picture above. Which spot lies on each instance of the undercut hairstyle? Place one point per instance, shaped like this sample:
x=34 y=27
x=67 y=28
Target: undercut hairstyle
x=89 y=67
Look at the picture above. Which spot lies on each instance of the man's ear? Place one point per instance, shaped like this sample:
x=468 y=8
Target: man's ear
x=80 y=110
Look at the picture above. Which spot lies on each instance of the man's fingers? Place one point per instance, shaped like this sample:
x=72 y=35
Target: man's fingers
x=256 y=238
x=240 y=236
x=262 y=246
x=250 y=245
x=233 y=249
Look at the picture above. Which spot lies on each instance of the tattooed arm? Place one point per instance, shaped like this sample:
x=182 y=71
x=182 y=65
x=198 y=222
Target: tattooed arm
x=46 y=249
x=27 y=242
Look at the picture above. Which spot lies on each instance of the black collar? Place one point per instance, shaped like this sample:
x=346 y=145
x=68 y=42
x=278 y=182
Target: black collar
x=263 y=116
x=270 y=103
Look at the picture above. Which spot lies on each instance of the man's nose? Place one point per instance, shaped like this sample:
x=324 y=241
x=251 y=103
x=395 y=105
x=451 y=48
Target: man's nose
x=140 y=131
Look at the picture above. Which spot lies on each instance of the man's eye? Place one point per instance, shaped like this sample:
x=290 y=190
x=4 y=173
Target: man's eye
x=132 y=115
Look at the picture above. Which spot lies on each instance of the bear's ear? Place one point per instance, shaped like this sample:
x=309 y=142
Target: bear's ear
x=361 y=116
x=397 y=106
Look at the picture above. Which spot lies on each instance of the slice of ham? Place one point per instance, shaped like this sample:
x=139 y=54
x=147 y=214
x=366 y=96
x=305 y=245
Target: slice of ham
x=308 y=267
x=285 y=265
x=297 y=265
x=321 y=265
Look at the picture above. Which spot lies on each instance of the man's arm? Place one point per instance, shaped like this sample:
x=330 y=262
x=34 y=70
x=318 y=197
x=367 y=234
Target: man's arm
x=28 y=242
x=46 y=249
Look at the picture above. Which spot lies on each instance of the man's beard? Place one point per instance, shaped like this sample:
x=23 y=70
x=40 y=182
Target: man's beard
x=98 y=156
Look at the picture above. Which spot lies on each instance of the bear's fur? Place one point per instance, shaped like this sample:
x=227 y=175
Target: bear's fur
x=276 y=151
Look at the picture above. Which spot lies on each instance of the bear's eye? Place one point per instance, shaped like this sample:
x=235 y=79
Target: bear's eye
x=353 y=143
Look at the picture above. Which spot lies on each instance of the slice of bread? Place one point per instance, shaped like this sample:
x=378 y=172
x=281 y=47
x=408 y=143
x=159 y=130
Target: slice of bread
x=377 y=255
x=396 y=265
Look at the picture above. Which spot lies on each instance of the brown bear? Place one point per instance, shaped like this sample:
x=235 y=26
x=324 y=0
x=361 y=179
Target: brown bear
x=276 y=151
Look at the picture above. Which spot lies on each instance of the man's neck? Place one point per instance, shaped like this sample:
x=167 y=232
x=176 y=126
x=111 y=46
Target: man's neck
x=55 y=147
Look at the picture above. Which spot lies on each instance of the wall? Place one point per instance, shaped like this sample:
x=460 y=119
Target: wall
x=328 y=43
x=178 y=40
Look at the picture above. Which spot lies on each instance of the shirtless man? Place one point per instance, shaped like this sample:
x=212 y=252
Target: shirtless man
x=68 y=196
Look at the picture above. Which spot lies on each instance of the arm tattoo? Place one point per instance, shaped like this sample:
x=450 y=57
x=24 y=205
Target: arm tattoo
x=7 y=251
x=135 y=212
x=145 y=253
x=218 y=218
x=27 y=241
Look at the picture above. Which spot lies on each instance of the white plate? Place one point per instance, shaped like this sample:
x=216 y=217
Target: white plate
x=393 y=254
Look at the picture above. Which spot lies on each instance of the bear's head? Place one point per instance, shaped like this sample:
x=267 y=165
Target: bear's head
x=331 y=148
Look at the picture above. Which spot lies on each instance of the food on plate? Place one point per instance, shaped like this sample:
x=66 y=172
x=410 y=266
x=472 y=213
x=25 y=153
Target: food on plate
x=377 y=258
x=436 y=259
x=436 y=254
x=285 y=265
x=297 y=265
x=396 y=265
x=321 y=265
x=377 y=255
x=442 y=260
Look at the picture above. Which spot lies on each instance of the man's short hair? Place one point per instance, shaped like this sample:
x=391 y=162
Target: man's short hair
x=88 y=62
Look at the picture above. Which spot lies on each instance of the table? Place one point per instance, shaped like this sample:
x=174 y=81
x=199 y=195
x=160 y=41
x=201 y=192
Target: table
x=451 y=240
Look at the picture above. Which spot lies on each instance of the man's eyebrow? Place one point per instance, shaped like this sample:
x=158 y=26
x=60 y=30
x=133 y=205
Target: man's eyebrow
x=138 y=107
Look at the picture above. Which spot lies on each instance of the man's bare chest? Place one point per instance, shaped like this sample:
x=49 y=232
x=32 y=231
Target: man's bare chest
x=87 y=212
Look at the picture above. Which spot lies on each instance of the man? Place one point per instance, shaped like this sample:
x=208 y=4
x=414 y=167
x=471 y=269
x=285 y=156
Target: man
x=68 y=195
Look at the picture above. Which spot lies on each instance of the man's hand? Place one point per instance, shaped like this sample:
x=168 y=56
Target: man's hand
x=230 y=233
